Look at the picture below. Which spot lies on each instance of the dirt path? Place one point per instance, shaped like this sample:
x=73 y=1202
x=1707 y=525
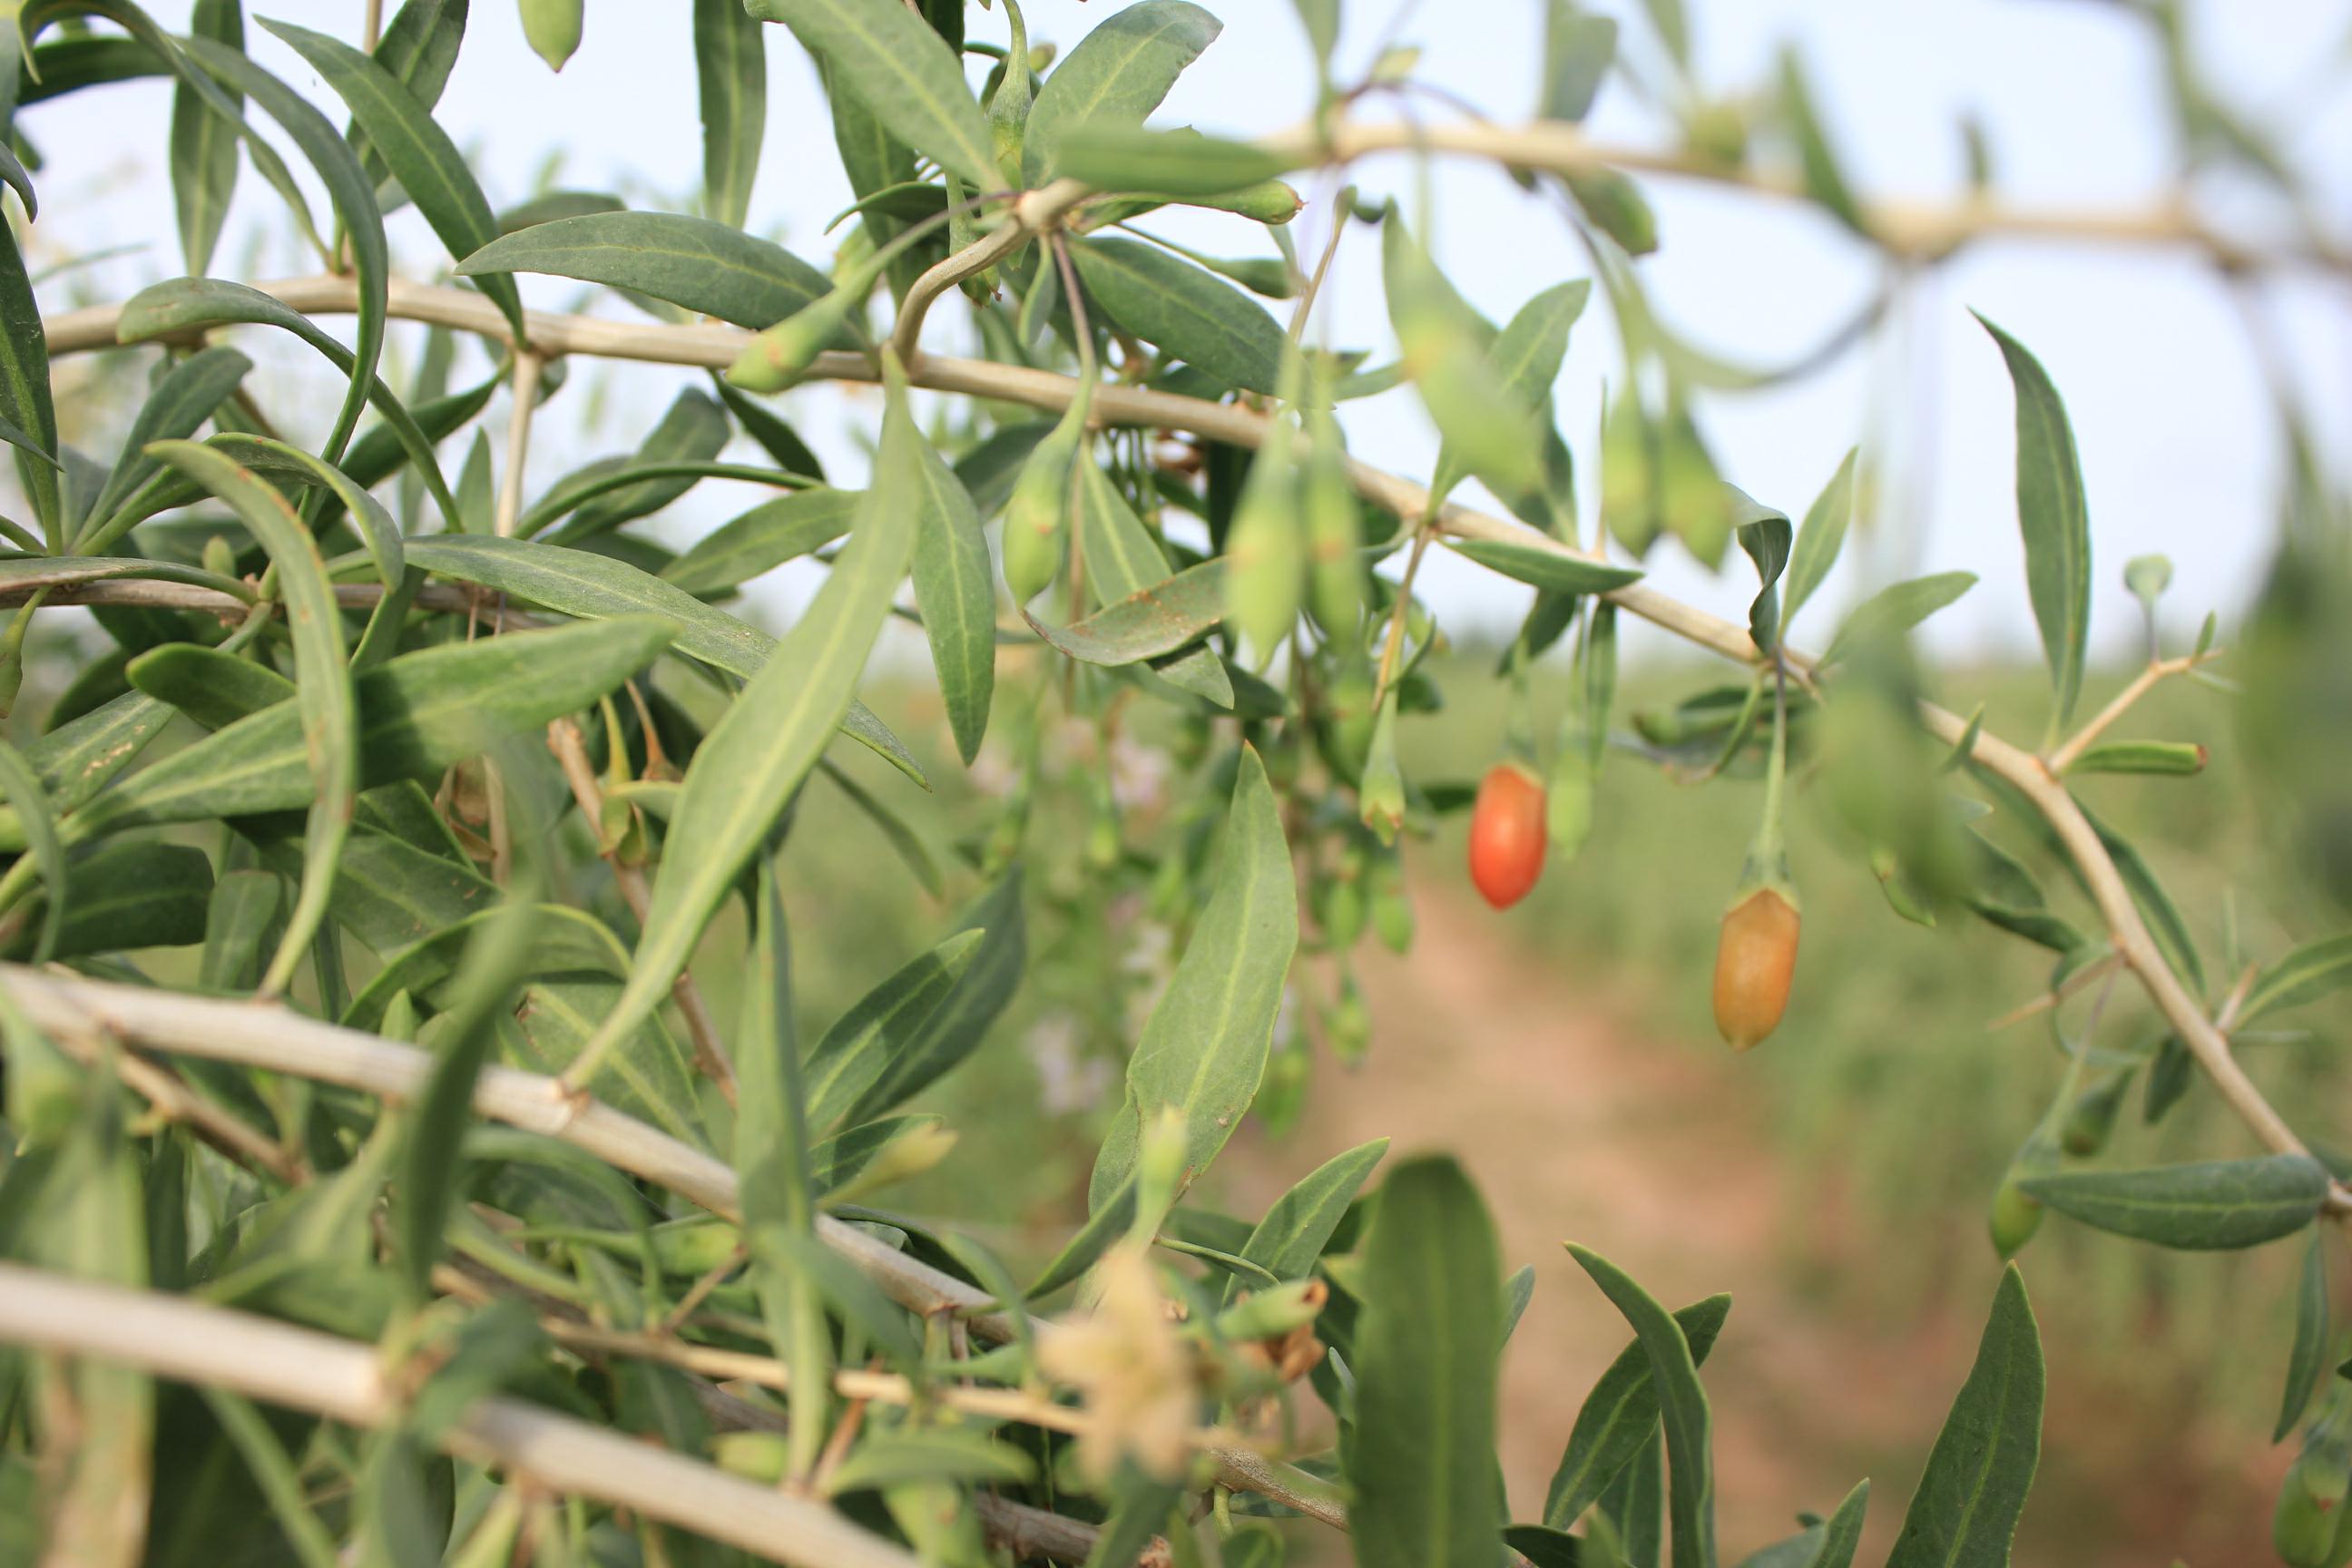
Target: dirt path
x=1577 y=1128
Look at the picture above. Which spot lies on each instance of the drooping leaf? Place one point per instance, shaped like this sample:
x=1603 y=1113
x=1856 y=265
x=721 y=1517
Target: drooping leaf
x=1765 y=535
x=2308 y=1358
x=2203 y=1206
x=1619 y=1415
x=1966 y=1509
x=25 y=401
x=1682 y=1408
x=2055 y=519
x=2164 y=921
x=1184 y=309
x=1157 y=620
x=860 y=1047
x=415 y=148
x=1554 y=570
x=37 y=819
x=1821 y=539
x=1894 y=610
x=1205 y=1050
x=1114 y=78
x=1421 y=1463
x=954 y=1028
x=758 y=754
x=1825 y=181
x=694 y=263
x=1579 y=48
x=955 y=589
x=903 y=74
x=204 y=145
x=178 y=406
x=1124 y=560
x=731 y=68
x=2306 y=974
x=323 y=689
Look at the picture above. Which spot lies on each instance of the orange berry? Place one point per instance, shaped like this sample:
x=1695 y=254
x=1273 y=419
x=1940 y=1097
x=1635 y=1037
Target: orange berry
x=1754 y=963
x=1508 y=834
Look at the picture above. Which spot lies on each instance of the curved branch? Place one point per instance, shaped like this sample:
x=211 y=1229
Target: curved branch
x=717 y=347
x=302 y=1369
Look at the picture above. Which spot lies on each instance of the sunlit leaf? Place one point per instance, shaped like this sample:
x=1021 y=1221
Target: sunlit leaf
x=901 y=71
x=1965 y=1511
x=1114 y=78
x=695 y=263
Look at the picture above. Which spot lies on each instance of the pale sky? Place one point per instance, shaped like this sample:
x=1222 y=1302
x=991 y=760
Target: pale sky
x=2178 y=446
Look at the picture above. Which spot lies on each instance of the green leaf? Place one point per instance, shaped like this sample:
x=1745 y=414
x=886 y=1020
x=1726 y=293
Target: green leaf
x=375 y=526
x=2052 y=515
x=581 y=582
x=648 y=1076
x=900 y=70
x=1124 y=559
x=121 y=896
x=179 y=406
x=1614 y=205
x=556 y=205
x=1288 y=1240
x=1965 y=1511
x=1205 y=1050
x=691 y=432
x=1841 y=1533
x=353 y=195
x=323 y=691
x=553 y=28
x=184 y=304
x=955 y=1028
x=1579 y=48
x=2306 y=974
x=1443 y=343
x=570 y=942
x=420 y=713
x=1184 y=309
x=74 y=761
x=213 y=688
x=1619 y=1415
x=1820 y=539
x=691 y=262
x=1162 y=618
x=1555 y=571
x=762 y=540
x=37 y=820
x=2308 y=1359
x=1824 y=181
x=1894 y=610
x=431 y=1160
x=889 y=1459
x=244 y=907
x=1114 y=78
x=203 y=147
x=731 y=68
x=1422 y=1464
x=758 y=754
x=1181 y=165
x=1682 y=1408
x=2164 y=919
x=779 y=440
x=1528 y=349
x=955 y=588
x=1764 y=534
x=856 y=1053
x=2210 y=1206
x=25 y=400
x=2165 y=759
x=415 y=148
x=1111 y=1219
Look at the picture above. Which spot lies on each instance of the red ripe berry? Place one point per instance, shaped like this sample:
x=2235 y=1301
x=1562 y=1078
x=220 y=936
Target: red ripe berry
x=1508 y=834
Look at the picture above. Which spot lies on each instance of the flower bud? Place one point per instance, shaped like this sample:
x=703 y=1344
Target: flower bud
x=1508 y=834
x=775 y=359
x=1755 y=960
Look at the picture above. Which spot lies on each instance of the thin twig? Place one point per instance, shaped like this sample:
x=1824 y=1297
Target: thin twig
x=905 y=337
x=2146 y=680
x=710 y=1051
x=301 y=1369
x=528 y=364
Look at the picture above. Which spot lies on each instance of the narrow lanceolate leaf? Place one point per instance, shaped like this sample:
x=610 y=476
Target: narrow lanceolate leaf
x=420 y=713
x=353 y=195
x=178 y=408
x=1825 y=181
x=2055 y=517
x=1553 y=570
x=2210 y=1206
x=1765 y=535
x=762 y=540
x=955 y=588
x=855 y=1054
x=1157 y=620
x=1288 y=1240
x=375 y=526
x=757 y=755
x=1577 y=49
x=1115 y=76
x=204 y=145
x=892 y=61
x=954 y=1028
x=2308 y=1359
x=730 y=68
x=1179 y=165
x=25 y=401
x=1619 y=1415
x=1841 y=1532
x=2165 y=922
x=2309 y=973
x=37 y=820
x=1124 y=560
x=1186 y=311
x=1203 y=1051
x=1682 y=1407
x=415 y=149
x=1531 y=344
x=1820 y=541
x=1893 y=611
x=1965 y=1511
x=323 y=688
x=579 y=582
x=1421 y=1463
x=691 y=262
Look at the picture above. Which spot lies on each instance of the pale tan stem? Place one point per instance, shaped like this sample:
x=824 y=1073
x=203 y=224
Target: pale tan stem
x=371 y=26
x=718 y=347
x=709 y=1050
x=528 y=364
x=2146 y=680
x=282 y=1041
x=905 y=337
x=300 y=1369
